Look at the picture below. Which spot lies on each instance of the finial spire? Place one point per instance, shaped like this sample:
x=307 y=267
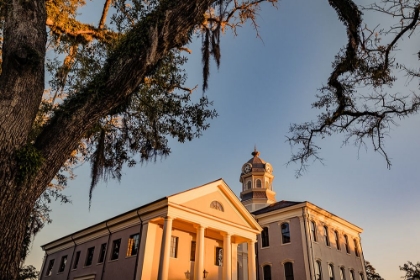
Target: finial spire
x=255 y=153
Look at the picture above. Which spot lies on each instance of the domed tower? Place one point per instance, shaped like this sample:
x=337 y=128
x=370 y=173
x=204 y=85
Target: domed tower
x=257 y=178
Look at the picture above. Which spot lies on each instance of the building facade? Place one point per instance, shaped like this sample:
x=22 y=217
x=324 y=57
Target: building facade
x=208 y=233
x=189 y=235
x=299 y=240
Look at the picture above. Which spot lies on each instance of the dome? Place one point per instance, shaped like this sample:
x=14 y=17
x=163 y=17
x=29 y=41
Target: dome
x=256 y=164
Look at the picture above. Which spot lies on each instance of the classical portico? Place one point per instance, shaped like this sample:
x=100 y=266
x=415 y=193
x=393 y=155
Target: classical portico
x=196 y=236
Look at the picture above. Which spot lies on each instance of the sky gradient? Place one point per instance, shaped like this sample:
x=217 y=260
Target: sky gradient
x=261 y=88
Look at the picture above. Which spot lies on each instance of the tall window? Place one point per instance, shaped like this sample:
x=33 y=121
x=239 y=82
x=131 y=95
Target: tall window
x=351 y=275
x=288 y=271
x=313 y=230
x=49 y=268
x=116 y=244
x=102 y=253
x=89 y=256
x=76 y=260
x=192 y=251
x=285 y=233
x=258 y=183
x=248 y=185
x=174 y=246
x=361 y=276
x=346 y=243
x=342 y=275
x=337 y=240
x=264 y=237
x=63 y=264
x=326 y=236
x=133 y=245
x=331 y=271
x=267 y=272
x=318 y=271
x=356 y=248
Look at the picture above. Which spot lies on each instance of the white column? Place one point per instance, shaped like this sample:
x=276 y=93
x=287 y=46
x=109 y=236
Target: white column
x=234 y=261
x=227 y=256
x=199 y=253
x=165 y=249
x=251 y=260
x=146 y=251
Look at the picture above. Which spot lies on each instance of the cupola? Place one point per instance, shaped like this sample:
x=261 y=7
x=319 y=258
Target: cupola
x=257 y=178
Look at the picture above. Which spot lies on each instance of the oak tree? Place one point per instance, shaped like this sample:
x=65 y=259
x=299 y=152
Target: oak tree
x=116 y=93
x=360 y=99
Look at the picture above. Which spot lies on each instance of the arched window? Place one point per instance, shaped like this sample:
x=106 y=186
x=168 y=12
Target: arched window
x=258 y=183
x=346 y=243
x=342 y=275
x=313 y=230
x=285 y=233
x=248 y=185
x=351 y=275
x=326 y=236
x=267 y=272
x=264 y=237
x=330 y=271
x=337 y=240
x=216 y=205
x=288 y=271
x=318 y=271
x=356 y=248
x=361 y=276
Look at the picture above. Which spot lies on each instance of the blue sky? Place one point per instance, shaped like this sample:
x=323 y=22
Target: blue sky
x=261 y=88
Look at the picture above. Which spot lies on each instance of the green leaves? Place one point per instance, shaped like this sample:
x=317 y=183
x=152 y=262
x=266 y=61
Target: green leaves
x=29 y=160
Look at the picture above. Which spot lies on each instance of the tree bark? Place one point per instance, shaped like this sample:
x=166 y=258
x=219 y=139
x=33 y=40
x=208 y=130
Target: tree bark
x=21 y=88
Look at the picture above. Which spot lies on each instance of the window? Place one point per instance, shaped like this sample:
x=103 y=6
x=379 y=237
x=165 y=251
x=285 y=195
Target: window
x=285 y=233
x=219 y=256
x=361 y=276
x=346 y=243
x=116 y=244
x=174 y=246
x=89 y=256
x=217 y=205
x=356 y=248
x=351 y=275
x=342 y=275
x=76 y=260
x=318 y=271
x=192 y=251
x=326 y=236
x=337 y=240
x=102 y=253
x=331 y=271
x=63 y=264
x=258 y=183
x=49 y=268
x=288 y=271
x=264 y=237
x=133 y=245
x=313 y=230
x=248 y=185
x=267 y=272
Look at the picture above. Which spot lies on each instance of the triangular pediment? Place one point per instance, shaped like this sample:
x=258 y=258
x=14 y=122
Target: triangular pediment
x=216 y=199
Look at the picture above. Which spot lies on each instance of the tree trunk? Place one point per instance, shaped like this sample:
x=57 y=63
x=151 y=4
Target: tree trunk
x=21 y=89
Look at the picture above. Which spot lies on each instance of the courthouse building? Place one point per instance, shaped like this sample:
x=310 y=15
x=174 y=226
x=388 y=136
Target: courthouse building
x=208 y=233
